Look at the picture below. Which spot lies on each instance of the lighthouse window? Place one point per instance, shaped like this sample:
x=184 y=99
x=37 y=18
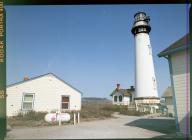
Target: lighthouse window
x=140 y=29
x=150 y=50
x=154 y=82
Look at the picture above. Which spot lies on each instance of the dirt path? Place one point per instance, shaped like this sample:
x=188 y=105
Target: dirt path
x=110 y=128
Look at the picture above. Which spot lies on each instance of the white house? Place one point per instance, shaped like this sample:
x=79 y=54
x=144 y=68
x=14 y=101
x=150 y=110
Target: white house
x=123 y=96
x=43 y=93
x=169 y=100
x=178 y=58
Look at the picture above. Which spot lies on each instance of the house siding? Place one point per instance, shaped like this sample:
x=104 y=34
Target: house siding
x=48 y=91
x=179 y=73
x=125 y=101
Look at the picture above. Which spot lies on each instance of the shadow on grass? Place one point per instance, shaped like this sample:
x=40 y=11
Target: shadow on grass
x=165 y=126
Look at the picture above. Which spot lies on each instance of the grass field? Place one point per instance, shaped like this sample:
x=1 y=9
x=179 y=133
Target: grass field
x=90 y=111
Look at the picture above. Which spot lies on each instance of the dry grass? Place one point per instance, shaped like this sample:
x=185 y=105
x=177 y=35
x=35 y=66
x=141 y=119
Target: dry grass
x=30 y=119
x=31 y=115
x=90 y=111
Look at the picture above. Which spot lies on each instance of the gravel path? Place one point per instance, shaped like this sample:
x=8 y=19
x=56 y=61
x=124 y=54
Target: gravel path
x=109 y=128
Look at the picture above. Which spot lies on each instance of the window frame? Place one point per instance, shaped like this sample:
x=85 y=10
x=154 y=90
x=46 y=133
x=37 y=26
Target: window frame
x=116 y=98
x=121 y=98
x=65 y=102
x=23 y=97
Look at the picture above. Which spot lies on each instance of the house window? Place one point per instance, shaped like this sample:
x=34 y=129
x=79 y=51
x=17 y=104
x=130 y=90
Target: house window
x=115 y=98
x=65 y=102
x=120 y=98
x=28 y=101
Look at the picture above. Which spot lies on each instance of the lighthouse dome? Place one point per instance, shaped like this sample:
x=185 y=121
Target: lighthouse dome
x=141 y=23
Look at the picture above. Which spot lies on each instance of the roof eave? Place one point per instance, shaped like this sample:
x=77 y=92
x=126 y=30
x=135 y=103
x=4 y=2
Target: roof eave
x=112 y=92
x=163 y=54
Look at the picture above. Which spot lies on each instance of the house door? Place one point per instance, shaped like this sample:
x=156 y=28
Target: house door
x=64 y=102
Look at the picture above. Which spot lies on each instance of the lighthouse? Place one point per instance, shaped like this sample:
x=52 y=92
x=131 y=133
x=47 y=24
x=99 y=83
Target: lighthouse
x=146 y=96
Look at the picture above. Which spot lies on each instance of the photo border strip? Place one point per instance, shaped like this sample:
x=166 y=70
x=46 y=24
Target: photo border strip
x=2 y=72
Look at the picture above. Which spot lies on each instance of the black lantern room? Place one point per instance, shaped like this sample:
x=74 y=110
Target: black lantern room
x=141 y=23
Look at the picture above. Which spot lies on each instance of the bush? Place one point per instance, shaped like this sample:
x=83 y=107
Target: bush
x=31 y=115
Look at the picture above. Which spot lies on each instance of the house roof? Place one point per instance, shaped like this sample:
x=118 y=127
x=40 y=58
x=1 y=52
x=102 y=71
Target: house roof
x=179 y=45
x=24 y=81
x=125 y=92
x=167 y=93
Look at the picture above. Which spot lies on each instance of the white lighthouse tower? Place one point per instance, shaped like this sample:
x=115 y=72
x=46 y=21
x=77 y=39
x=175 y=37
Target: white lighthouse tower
x=146 y=96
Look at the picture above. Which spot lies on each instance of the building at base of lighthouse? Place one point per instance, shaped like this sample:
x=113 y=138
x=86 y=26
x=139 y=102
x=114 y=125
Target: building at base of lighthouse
x=146 y=96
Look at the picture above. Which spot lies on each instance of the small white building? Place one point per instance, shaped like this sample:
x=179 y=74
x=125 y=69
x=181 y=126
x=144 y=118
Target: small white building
x=43 y=93
x=167 y=95
x=178 y=57
x=123 y=96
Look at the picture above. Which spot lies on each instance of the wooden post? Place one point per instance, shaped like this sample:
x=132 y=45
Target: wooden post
x=74 y=118
x=78 y=117
x=59 y=119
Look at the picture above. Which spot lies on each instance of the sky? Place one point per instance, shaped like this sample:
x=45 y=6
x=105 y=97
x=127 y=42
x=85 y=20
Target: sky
x=89 y=46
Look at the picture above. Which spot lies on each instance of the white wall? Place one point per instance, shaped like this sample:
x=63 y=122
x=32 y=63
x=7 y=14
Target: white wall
x=125 y=101
x=144 y=67
x=169 y=104
x=181 y=86
x=48 y=91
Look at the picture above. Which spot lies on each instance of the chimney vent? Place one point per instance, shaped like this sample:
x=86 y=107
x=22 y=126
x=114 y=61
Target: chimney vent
x=118 y=86
x=132 y=87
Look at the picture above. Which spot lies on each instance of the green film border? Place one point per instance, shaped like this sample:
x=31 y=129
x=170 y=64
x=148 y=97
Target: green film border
x=2 y=72
x=64 y=2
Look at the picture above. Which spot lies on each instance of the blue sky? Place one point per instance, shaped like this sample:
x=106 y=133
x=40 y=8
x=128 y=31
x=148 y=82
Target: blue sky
x=89 y=46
